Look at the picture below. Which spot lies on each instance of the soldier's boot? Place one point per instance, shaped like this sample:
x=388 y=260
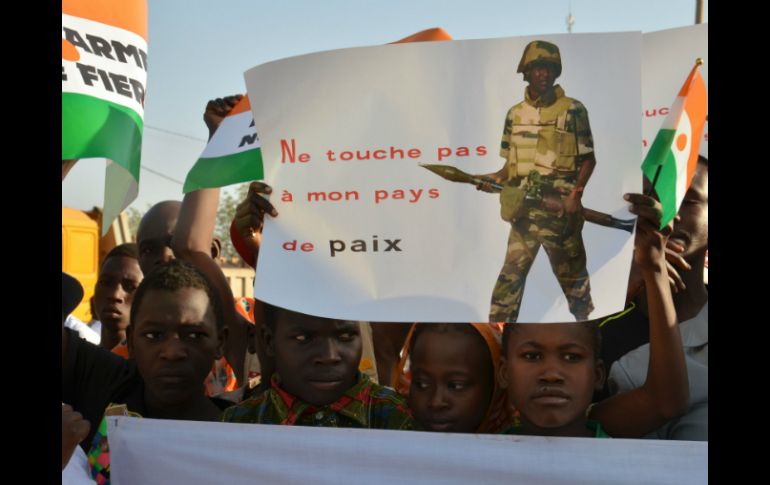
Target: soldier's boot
x=506 y=298
x=579 y=299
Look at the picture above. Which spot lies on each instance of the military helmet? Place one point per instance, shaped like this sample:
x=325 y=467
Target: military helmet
x=542 y=51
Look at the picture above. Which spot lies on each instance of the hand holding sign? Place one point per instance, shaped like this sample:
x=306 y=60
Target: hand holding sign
x=250 y=217
x=391 y=241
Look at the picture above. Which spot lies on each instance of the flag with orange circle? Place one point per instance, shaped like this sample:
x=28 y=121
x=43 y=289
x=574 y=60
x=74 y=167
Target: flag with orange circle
x=670 y=163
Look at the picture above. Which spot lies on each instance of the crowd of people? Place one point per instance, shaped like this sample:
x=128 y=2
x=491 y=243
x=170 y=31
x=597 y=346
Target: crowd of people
x=174 y=343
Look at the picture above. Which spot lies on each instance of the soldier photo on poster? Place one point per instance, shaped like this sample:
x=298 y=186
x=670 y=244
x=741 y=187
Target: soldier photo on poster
x=549 y=157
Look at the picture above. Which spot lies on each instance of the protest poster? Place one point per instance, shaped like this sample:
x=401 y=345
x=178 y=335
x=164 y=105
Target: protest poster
x=367 y=233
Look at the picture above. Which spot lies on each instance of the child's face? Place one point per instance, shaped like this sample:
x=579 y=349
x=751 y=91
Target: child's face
x=175 y=342
x=316 y=358
x=452 y=381
x=114 y=291
x=551 y=373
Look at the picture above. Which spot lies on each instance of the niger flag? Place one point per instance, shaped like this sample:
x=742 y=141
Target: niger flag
x=231 y=156
x=670 y=163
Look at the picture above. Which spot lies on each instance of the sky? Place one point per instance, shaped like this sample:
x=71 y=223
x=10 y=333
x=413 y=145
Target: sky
x=199 y=49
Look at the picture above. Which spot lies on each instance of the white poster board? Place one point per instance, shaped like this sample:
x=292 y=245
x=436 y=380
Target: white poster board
x=433 y=248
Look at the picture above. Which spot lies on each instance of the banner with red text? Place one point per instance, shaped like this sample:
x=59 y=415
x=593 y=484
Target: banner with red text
x=365 y=232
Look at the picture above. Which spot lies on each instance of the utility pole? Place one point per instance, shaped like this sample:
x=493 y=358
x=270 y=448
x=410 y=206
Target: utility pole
x=698 y=11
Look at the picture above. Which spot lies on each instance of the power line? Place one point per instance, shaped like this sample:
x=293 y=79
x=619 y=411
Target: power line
x=162 y=175
x=182 y=135
x=175 y=133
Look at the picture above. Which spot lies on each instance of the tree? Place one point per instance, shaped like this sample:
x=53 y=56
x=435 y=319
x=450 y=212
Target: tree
x=228 y=202
x=134 y=217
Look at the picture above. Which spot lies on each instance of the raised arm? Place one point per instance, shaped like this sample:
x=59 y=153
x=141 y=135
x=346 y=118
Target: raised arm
x=665 y=392
x=192 y=242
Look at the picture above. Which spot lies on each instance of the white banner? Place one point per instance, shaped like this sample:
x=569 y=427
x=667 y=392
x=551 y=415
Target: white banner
x=148 y=451
x=365 y=233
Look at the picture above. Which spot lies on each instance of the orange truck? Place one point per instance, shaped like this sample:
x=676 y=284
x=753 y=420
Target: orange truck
x=82 y=250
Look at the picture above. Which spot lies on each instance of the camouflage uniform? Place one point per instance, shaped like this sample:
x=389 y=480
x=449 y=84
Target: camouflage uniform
x=547 y=136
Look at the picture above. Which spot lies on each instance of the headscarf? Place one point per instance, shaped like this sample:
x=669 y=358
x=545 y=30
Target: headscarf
x=498 y=416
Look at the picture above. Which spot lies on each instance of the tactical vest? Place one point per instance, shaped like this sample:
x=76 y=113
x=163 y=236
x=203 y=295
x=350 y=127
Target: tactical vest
x=541 y=140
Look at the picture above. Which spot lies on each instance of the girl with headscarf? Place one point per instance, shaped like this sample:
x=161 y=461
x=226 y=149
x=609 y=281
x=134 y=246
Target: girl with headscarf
x=448 y=371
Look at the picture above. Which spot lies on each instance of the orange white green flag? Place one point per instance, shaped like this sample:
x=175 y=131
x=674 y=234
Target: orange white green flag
x=104 y=74
x=232 y=155
x=671 y=161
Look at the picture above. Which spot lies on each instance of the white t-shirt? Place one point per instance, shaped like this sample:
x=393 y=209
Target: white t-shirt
x=630 y=372
x=82 y=329
x=96 y=326
x=76 y=472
